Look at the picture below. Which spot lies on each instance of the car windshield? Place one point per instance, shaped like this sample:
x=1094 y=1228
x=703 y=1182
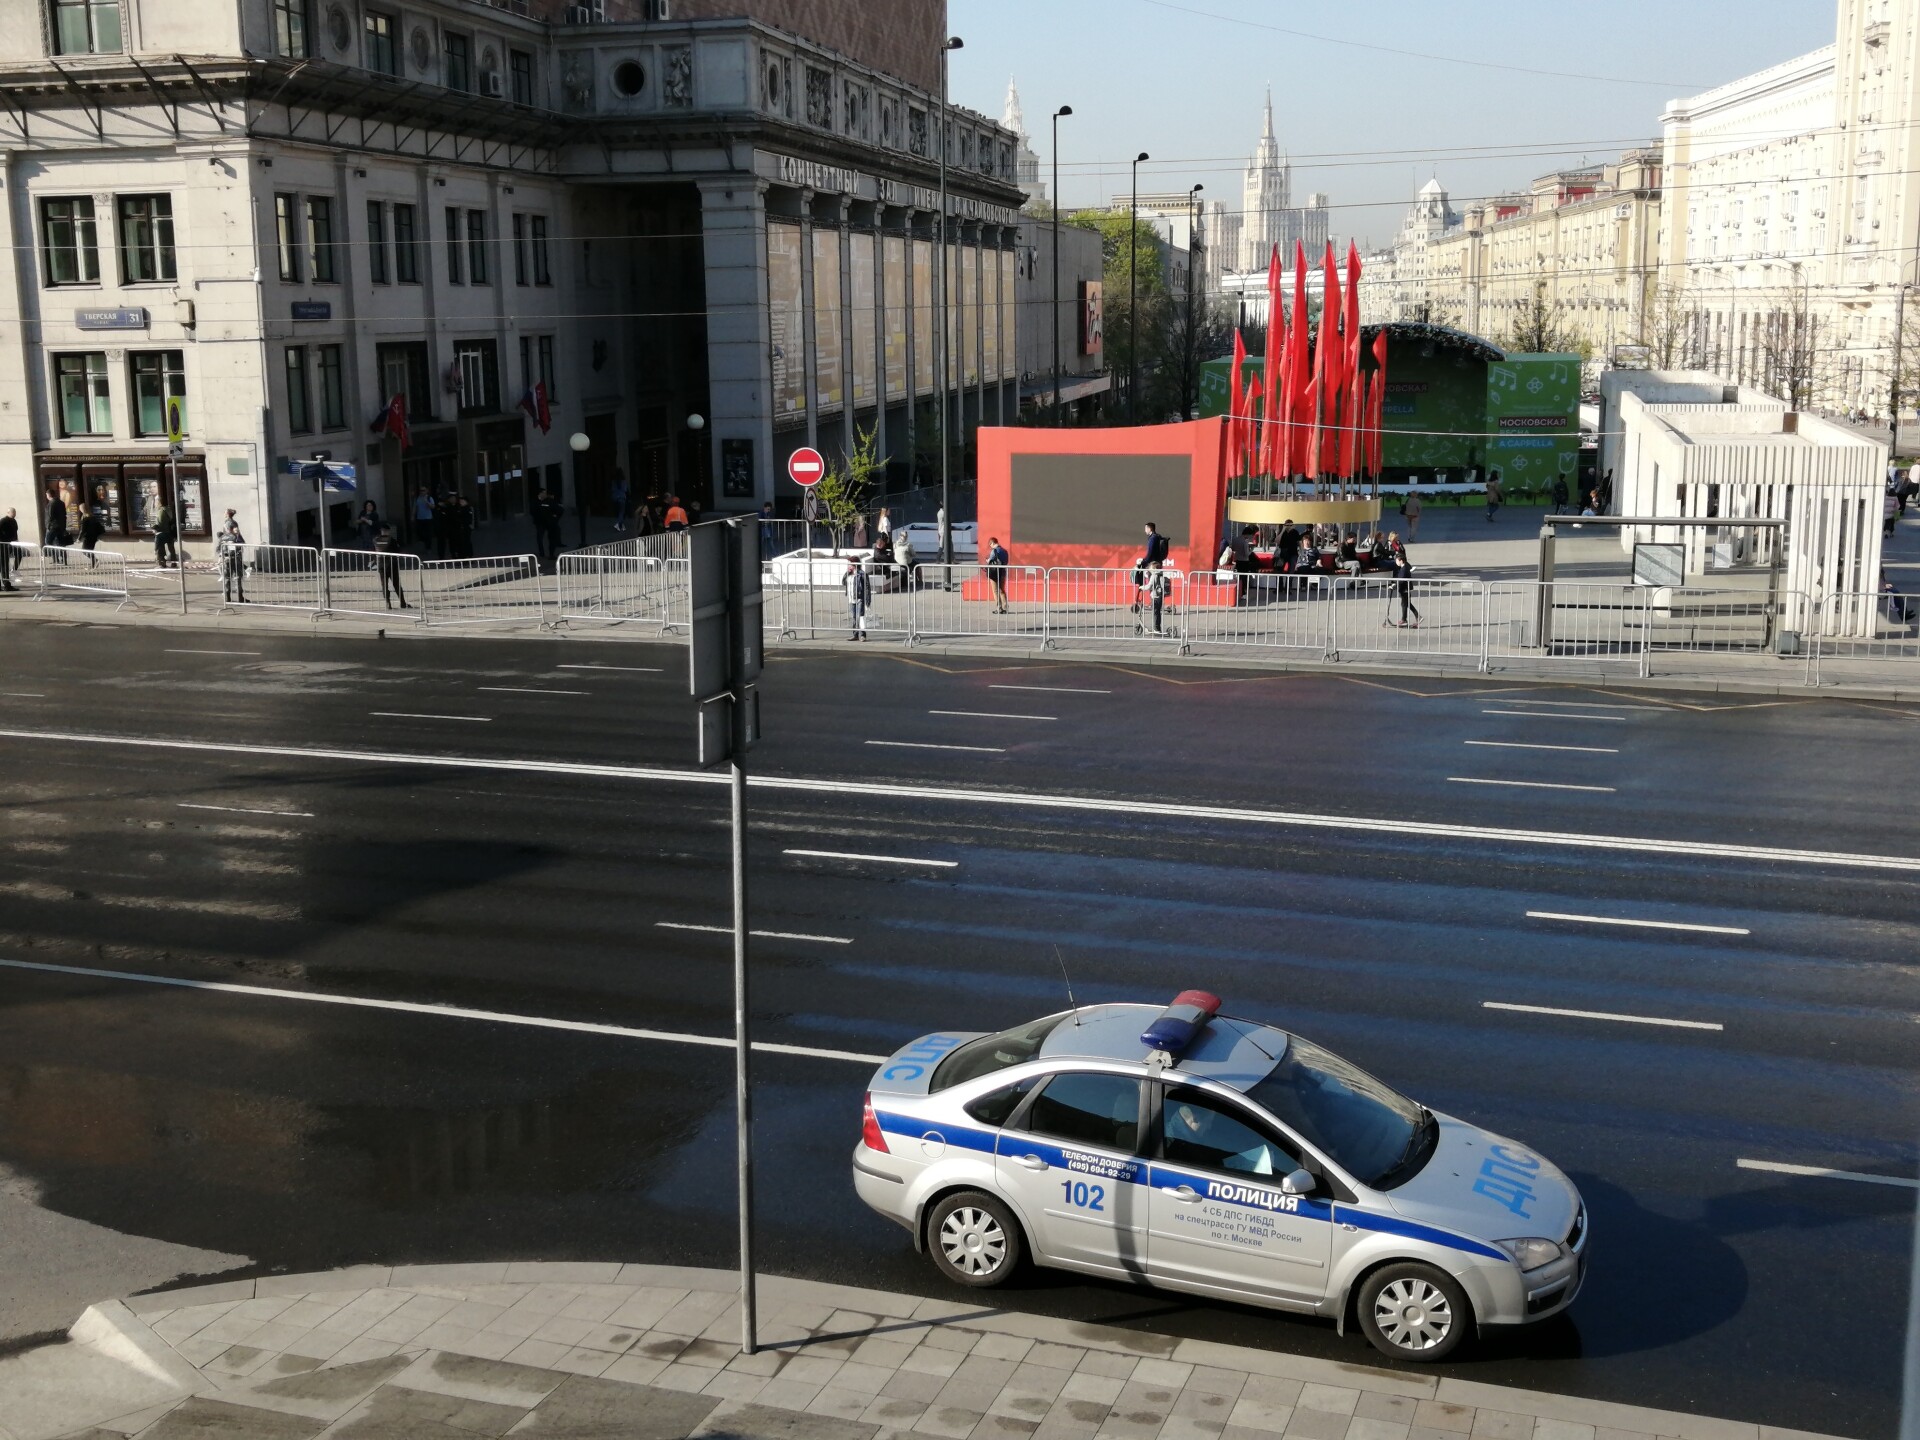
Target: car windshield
x=1368 y=1129
x=991 y=1053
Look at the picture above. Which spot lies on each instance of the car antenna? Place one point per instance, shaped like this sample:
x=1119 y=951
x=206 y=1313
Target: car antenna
x=1247 y=1034
x=1072 y=1004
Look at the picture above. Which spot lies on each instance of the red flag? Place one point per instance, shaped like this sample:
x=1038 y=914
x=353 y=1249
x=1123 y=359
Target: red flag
x=393 y=421
x=1354 y=407
x=1321 y=457
x=1235 y=402
x=1270 y=369
x=534 y=402
x=1250 y=434
x=1379 y=399
x=1300 y=374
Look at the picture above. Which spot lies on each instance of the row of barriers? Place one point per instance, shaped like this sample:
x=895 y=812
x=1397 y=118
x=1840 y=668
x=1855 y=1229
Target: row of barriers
x=393 y=585
x=49 y=570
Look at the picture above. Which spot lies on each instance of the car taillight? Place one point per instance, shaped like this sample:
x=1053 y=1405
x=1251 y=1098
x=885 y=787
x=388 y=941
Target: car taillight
x=870 y=1133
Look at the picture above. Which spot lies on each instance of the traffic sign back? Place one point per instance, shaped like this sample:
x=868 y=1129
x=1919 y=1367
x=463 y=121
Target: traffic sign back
x=806 y=466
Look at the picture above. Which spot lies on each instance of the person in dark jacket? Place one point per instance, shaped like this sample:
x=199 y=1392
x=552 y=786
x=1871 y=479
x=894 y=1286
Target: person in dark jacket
x=166 y=534
x=90 y=532
x=460 y=520
x=545 y=514
x=996 y=568
x=9 y=537
x=1403 y=586
x=56 y=531
x=389 y=565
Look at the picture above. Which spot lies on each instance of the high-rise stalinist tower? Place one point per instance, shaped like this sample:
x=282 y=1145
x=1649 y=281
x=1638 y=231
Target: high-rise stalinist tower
x=1026 y=164
x=1269 y=217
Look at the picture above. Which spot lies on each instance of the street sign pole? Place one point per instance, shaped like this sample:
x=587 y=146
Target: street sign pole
x=176 y=447
x=727 y=642
x=806 y=467
x=320 y=459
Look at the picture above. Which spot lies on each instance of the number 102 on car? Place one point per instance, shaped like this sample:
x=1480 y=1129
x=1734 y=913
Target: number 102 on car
x=1083 y=1195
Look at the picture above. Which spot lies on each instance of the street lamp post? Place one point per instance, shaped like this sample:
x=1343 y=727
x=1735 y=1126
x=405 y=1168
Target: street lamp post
x=579 y=442
x=1190 y=351
x=1063 y=110
x=1133 y=290
x=942 y=379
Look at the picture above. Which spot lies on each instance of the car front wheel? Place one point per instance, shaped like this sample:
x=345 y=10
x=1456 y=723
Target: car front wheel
x=974 y=1240
x=1414 y=1312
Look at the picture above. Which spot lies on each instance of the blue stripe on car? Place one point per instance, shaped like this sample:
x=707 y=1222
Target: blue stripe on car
x=1249 y=1194
x=1394 y=1225
x=918 y=1129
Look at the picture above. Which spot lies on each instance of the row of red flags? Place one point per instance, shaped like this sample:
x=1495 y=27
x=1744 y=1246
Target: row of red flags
x=1311 y=410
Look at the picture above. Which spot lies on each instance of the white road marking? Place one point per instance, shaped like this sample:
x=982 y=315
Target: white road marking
x=528 y=690
x=913 y=745
x=991 y=715
x=876 y=859
x=1601 y=1015
x=212 y=652
x=1584 y=705
x=1637 y=924
x=759 y=934
x=23 y=694
x=243 y=810
x=1821 y=1172
x=1545 y=715
x=1363 y=825
x=1051 y=689
x=415 y=715
x=1517 y=745
x=445 y=1012
x=636 y=669
x=1529 y=784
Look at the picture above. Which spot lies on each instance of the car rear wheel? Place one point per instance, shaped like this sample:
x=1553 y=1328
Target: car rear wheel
x=974 y=1240
x=1414 y=1312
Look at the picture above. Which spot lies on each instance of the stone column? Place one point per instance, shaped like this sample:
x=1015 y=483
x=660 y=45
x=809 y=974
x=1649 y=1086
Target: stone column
x=733 y=225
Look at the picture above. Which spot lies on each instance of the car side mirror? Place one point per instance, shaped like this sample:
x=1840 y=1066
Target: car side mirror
x=1300 y=1182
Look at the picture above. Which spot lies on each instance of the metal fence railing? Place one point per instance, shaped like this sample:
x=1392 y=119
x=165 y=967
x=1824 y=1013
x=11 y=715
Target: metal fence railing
x=18 y=567
x=488 y=590
x=1122 y=605
x=275 y=577
x=383 y=583
x=969 y=604
x=1411 y=618
x=632 y=589
x=1864 y=638
x=75 y=570
x=1270 y=612
x=1567 y=627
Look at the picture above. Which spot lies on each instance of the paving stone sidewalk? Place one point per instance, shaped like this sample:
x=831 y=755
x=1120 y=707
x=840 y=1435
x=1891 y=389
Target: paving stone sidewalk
x=570 y=1351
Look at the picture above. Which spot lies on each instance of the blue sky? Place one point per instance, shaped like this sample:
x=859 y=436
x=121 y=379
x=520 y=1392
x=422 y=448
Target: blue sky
x=1364 y=126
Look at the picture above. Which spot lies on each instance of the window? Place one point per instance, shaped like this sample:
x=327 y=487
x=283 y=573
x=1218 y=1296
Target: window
x=299 y=415
x=404 y=371
x=286 y=235
x=1196 y=1129
x=477 y=248
x=996 y=1107
x=519 y=249
x=157 y=378
x=458 y=50
x=536 y=364
x=320 y=237
x=333 y=388
x=377 y=241
x=1100 y=1110
x=146 y=238
x=479 y=372
x=86 y=27
x=537 y=233
x=1369 y=1130
x=70 y=239
x=991 y=1053
x=86 y=408
x=382 y=50
x=520 y=70
x=406 y=245
x=455 y=261
x=290 y=28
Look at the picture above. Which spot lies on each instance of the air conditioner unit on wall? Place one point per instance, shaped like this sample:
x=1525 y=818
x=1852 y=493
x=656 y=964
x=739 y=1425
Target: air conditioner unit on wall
x=491 y=84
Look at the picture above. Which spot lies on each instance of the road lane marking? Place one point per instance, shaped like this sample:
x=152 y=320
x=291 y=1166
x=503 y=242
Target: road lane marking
x=1364 y=826
x=528 y=690
x=1584 y=704
x=914 y=745
x=760 y=934
x=1637 y=924
x=1544 y=715
x=1601 y=1015
x=23 y=694
x=636 y=669
x=1530 y=784
x=991 y=715
x=1821 y=1172
x=415 y=715
x=1051 y=689
x=444 y=1012
x=243 y=810
x=212 y=652
x=1517 y=745
x=876 y=859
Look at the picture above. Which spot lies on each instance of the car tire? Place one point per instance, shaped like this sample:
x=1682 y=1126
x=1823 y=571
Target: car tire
x=1414 y=1312
x=974 y=1240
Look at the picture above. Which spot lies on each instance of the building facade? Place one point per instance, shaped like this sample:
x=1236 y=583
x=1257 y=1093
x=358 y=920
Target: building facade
x=1268 y=216
x=698 y=243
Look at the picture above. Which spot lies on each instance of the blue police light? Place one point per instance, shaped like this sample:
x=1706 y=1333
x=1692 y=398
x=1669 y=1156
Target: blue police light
x=1176 y=1027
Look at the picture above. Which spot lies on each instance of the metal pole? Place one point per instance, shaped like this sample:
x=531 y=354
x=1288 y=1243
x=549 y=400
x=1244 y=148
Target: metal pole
x=1133 y=291
x=940 y=273
x=1893 y=402
x=326 y=570
x=1056 y=265
x=742 y=1046
x=1190 y=351
x=179 y=529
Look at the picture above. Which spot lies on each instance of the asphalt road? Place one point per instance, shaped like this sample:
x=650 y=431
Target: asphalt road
x=539 y=882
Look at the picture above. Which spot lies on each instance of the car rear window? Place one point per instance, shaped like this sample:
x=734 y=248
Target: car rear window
x=992 y=1053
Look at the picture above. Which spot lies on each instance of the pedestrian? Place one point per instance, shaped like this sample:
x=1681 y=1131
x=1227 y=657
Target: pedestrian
x=1494 y=495
x=854 y=582
x=388 y=563
x=1560 y=493
x=766 y=530
x=1904 y=490
x=1403 y=584
x=460 y=520
x=230 y=549
x=1891 y=507
x=1239 y=555
x=1289 y=553
x=676 y=516
x=996 y=568
x=556 y=512
x=546 y=525
x=366 y=524
x=1158 y=549
x=1412 y=511
x=91 y=529
x=423 y=518
x=56 y=529
x=443 y=501
x=9 y=537
x=619 y=499
x=885 y=523
x=1603 y=494
x=166 y=535
x=1154 y=587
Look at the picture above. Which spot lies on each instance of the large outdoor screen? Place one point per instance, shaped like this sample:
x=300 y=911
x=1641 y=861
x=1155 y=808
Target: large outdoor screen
x=1100 y=499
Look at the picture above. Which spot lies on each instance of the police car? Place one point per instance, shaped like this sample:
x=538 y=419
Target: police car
x=1218 y=1156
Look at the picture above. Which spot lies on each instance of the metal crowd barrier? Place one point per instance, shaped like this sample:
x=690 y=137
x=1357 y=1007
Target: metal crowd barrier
x=275 y=577
x=966 y=605
x=1861 y=635
x=1120 y=605
x=19 y=568
x=75 y=569
x=384 y=584
x=1566 y=625
x=1269 y=611
x=1421 y=619
x=487 y=590
x=621 y=589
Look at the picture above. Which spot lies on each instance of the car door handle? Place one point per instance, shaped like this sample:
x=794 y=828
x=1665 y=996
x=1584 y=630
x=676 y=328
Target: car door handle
x=1185 y=1194
x=1032 y=1162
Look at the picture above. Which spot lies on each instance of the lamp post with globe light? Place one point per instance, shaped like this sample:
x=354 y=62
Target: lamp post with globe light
x=579 y=442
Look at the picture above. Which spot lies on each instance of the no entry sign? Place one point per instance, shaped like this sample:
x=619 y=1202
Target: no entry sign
x=806 y=467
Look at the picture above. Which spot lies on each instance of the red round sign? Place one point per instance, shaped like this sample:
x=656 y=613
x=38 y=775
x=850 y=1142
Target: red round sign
x=806 y=466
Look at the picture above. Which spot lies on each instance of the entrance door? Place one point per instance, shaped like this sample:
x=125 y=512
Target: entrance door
x=1072 y=1169
x=1218 y=1216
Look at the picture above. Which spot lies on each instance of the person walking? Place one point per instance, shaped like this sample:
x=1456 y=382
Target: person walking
x=854 y=582
x=1904 y=489
x=166 y=534
x=91 y=529
x=423 y=518
x=1411 y=510
x=9 y=537
x=546 y=525
x=56 y=530
x=1239 y=554
x=366 y=524
x=388 y=563
x=1158 y=549
x=885 y=524
x=1560 y=493
x=676 y=518
x=1154 y=585
x=556 y=512
x=1403 y=585
x=619 y=499
x=996 y=568
x=230 y=549
x=1494 y=495
x=1891 y=512
x=766 y=530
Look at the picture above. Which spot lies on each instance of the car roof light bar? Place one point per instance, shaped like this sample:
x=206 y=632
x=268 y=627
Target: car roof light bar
x=1178 y=1026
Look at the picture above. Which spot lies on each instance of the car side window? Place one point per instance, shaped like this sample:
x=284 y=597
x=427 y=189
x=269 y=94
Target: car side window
x=996 y=1107
x=1197 y=1129
x=1097 y=1110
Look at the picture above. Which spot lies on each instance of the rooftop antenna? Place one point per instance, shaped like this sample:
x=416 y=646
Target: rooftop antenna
x=1072 y=1004
x=1247 y=1035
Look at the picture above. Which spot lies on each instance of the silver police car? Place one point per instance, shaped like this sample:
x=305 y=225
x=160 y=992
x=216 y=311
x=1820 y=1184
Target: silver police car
x=1218 y=1156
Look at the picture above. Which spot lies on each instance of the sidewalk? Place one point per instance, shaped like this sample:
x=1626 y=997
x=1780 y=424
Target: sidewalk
x=570 y=1351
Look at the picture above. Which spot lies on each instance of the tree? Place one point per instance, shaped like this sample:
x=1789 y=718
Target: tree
x=1793 y=353
x=1669 y=322
x=1542 y=328
x=844 y=489
x=1132 y=279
